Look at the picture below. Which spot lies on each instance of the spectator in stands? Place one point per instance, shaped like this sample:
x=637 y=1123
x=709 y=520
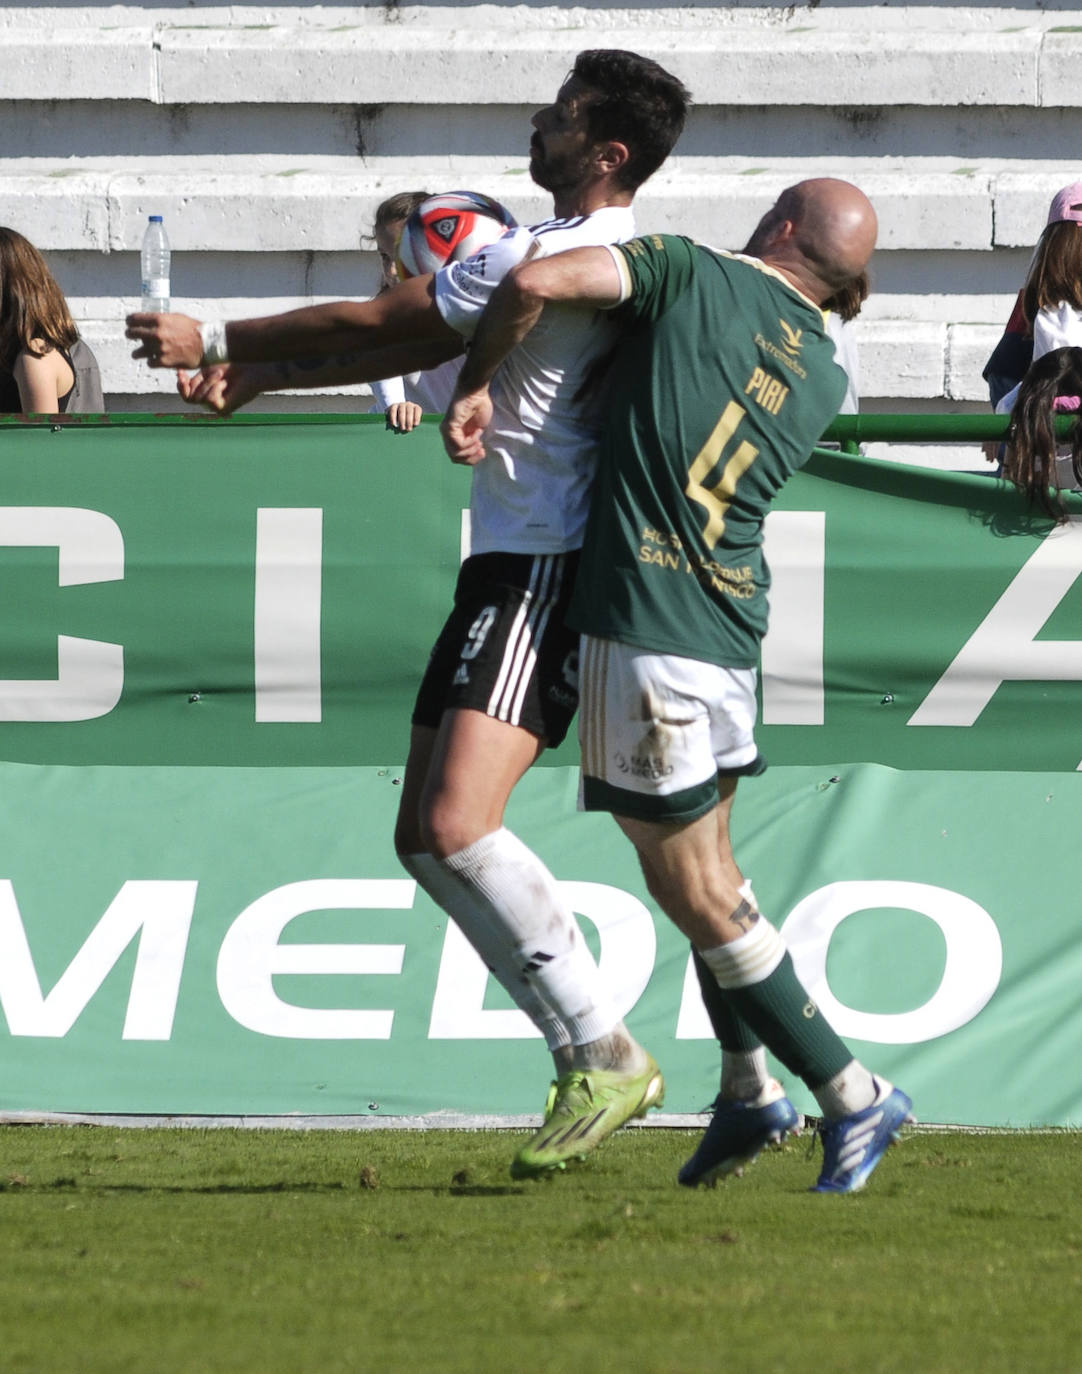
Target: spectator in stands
x=403 y=399
x=45 y=367
x=1036 y=462
x=1048 y=312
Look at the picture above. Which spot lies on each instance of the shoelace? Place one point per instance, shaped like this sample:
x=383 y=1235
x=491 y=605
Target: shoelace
x=816 y=1126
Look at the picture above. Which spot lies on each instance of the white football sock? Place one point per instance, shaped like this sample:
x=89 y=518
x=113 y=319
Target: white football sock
x=481 y=926
x=524 y=899
x=748 y=959
x=847 y=1092
x=744 y=1074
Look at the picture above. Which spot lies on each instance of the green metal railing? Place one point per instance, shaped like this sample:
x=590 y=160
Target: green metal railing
x=849 y=431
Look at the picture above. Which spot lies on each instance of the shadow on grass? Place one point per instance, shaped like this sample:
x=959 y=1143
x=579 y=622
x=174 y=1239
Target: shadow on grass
x=72 y=1185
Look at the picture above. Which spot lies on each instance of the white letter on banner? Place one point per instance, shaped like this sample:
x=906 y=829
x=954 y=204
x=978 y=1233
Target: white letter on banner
x=159 y=912
x=1004 y=647
x=288 y=610
x=692 y=1023
x=626 y=962
x=251 y=957
x=971 y=973
x=90 y=672
x=794 y=543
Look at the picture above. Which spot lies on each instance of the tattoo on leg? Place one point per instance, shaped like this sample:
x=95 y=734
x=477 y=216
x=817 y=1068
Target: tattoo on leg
x=744 y=916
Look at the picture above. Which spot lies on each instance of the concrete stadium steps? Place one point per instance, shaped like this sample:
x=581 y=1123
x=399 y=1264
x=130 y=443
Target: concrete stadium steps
x=277 y=203
x=242 y=220
x=924 y=55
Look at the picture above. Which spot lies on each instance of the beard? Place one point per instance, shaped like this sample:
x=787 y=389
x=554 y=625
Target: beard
x=556 y=172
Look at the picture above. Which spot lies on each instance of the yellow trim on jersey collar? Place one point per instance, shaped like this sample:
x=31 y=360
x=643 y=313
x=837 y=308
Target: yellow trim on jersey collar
x=770 y=271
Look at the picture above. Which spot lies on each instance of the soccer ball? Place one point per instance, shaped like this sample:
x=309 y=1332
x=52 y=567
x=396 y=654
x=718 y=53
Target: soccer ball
x=449 y=228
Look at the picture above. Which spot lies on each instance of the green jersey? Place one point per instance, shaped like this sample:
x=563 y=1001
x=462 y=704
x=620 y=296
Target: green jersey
x=723 y=381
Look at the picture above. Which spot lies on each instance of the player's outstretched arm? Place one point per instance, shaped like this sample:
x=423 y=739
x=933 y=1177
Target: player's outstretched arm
x=406 y=313
x=226 y=387
x=165 y=340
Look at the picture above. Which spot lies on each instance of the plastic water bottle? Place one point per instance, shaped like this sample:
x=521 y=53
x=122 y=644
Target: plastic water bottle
x=155 y=266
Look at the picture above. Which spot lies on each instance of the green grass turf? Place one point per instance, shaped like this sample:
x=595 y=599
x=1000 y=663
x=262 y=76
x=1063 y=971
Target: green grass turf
x=316 y=1252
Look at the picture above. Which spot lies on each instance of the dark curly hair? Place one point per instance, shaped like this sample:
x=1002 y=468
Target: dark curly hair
x=635 y=101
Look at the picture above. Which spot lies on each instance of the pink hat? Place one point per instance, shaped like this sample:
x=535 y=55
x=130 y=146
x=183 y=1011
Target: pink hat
x=1067 y=204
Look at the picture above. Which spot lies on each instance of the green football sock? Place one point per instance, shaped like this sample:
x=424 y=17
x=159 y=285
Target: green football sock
x=757 y=978
x=744 y=1071
x=733 y=1034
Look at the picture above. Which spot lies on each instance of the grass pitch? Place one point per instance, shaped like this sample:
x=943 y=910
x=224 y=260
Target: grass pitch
x=215 y=1251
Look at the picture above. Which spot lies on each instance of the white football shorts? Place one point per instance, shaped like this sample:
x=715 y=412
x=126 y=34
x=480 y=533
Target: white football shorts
x=657 y=731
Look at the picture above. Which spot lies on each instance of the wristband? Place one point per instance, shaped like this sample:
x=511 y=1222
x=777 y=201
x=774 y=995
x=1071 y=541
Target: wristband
x=212 y=334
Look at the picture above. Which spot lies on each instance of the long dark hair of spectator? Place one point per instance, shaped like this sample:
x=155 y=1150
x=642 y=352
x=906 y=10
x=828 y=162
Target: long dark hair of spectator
x=32 y=305
x=1055 y=274
x=1030 y=460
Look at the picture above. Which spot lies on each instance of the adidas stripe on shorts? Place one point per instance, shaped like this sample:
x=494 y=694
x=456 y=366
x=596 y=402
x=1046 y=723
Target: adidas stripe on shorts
x=505 y=649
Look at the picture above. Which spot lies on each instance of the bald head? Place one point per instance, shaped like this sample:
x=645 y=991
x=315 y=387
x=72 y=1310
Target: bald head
x=820 y=232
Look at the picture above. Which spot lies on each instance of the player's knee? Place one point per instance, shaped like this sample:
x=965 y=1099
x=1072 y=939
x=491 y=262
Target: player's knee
x=445 y=827
x=692 y=903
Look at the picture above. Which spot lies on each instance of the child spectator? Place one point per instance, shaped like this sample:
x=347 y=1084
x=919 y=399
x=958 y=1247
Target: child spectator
x=405 y=399
x=1035 y=461
x=45 y=367
x=1049 y=309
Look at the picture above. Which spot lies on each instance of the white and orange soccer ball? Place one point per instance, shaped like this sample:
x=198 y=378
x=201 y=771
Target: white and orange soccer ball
x=449 y=228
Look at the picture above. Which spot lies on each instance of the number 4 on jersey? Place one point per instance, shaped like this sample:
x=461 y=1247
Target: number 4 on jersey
x=717 y=499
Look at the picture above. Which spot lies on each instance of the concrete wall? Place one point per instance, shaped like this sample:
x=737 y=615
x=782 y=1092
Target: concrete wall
x=267 y=136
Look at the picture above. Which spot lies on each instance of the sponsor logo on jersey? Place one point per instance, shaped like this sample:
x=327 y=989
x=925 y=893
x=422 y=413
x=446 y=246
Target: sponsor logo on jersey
x=785 y=352
x=793 y=341
x=469 y=277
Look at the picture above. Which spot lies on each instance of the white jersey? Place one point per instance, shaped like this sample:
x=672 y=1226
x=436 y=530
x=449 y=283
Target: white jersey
x=531 y=492
x=431 y=390
x=847 y=358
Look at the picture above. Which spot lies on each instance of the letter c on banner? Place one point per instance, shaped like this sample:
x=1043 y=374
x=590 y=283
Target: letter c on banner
x=90 y=672
x=971 y=972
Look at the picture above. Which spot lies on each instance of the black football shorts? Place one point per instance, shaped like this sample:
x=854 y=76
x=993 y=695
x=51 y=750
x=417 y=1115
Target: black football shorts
x=505 y=649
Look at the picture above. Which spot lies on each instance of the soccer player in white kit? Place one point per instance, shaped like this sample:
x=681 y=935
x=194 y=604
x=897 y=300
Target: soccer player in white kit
x=502 y=682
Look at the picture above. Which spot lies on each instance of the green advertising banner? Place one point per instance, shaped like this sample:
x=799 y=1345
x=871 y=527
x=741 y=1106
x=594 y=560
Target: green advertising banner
x=220 y=593
x=209 y=641
x=241 y=941
x=267 y=593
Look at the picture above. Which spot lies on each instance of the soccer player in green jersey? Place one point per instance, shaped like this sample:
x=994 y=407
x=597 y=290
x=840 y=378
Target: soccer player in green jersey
x=723 y=380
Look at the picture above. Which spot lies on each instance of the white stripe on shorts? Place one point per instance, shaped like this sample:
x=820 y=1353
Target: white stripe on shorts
x=527 y=631
x=593 y=671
